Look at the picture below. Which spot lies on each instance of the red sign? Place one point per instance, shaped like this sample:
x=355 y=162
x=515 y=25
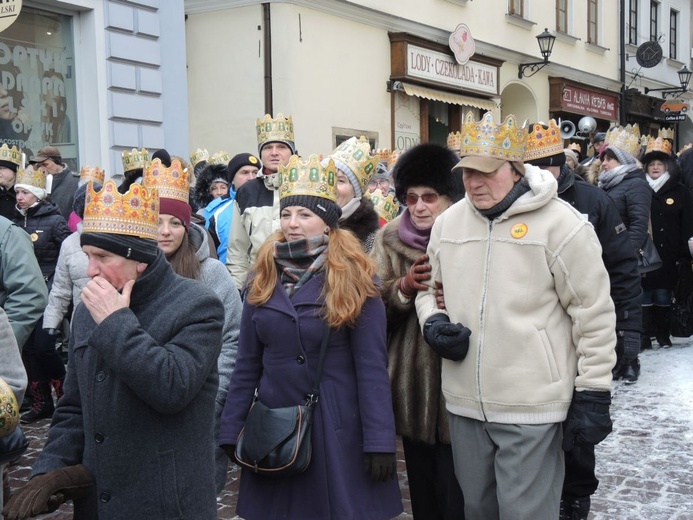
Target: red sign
x=589 y=103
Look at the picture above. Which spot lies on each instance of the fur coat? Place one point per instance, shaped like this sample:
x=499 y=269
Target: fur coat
x=364 y=223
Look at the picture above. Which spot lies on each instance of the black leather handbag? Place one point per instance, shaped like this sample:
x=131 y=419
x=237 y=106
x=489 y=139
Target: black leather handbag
x=648 y=257
x=276 y=442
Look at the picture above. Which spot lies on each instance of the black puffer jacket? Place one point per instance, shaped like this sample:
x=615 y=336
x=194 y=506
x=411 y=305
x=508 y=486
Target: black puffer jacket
x=618 y=255
x=633 y=197
x=672 y=226
x=8 y=203
x=47 y=229
x=364 y=223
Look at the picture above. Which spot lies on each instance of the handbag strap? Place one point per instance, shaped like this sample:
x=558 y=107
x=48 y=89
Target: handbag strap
x=312 y=397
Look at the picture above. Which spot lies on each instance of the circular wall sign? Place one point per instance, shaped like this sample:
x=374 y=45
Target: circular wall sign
x=649 y=54
x=9 y=11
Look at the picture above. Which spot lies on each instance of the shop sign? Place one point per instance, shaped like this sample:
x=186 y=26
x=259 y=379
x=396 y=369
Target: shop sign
x=443 y=69
x=462 y=44
x=675 y=118
x=590 y=103
x=9 y=11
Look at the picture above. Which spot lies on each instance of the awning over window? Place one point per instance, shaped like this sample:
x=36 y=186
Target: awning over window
x=447 y=97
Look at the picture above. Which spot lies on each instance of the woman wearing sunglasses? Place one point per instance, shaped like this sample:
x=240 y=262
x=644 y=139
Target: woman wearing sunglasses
x=425 y=185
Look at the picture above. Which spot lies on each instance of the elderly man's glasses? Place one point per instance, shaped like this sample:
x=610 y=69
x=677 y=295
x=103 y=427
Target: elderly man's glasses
x=429 y=198
x=381 y=183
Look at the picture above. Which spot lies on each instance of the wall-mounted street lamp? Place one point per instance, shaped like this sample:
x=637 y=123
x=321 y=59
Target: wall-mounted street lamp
x=546 y=41
x=684 y=79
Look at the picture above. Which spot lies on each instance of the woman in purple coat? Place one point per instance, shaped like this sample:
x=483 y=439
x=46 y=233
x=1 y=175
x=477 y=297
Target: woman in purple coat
x=308 y=276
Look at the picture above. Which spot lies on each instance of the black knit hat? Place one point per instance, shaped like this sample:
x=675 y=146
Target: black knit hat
x=325 y=209
x=552 y=160
x=240 y=160
x=133 y=248
x=163 y=156
x=210 y=174
x=428 y=164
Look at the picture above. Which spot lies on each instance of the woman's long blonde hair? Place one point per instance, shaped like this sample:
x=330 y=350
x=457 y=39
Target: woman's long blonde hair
x=348 y=281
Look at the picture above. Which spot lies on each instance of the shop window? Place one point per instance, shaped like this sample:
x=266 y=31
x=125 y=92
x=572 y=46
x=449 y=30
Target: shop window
x=654 y=20
x=516 y=7
x=633 y=22
x=593 y=21
x=562 y=16
x=673 y=33
x=37 y=84
x=339 y=135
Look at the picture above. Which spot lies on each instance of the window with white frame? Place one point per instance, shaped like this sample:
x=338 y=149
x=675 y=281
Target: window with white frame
x=633 y=22
x=562 y=16
x=673 y=33
x=593 y=21
x=516 y=7
x=654 y=20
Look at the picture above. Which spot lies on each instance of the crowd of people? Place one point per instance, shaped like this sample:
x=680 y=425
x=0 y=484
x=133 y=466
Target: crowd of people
x=478 y=300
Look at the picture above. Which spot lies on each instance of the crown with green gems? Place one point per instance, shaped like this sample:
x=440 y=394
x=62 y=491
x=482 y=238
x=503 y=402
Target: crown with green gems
x=386 y=207
x=485 y=138
x=625 y=138
x=12 y=155
x=355 y=154
x=279 y=128
x=221 y=157
x=135 y=159
x=199 y=155
x=308 y=178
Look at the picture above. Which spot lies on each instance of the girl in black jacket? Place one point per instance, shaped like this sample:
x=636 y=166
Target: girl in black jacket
x=47 y=228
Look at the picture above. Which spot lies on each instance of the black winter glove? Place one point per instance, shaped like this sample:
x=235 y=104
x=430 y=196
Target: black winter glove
x=588 y=421
x=380 y=466
x=230 y=450
x=628 y=342
x=448 y=340
x=44 y=493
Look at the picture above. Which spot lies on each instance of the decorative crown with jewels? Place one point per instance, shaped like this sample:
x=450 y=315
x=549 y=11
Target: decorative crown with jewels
x=87 y=173
x=658 y=145
x=576 y=147
x=308 y=178
x=12 y=155
x=544 y=142
x=36 y=178
x=386 y=207
x=383 y=154
x=9 y=409
x=134 y=213
x=392 y=160
x=455 y=141
x=355 y=154
x=221 y=157
x=685 y=147
x=626 y=138
x=135 y=159
x=666 y=133
x=198 y=156
x=278 y=129
x=171 y=183
x=487 y=139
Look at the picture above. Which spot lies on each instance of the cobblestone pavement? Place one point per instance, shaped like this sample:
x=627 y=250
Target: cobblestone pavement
x=645 y=465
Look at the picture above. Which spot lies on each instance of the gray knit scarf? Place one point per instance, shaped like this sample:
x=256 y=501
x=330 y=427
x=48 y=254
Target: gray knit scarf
x=300 y=260
x=609 y=179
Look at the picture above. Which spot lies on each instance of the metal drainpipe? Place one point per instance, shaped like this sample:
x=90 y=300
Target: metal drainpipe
x=267 y=19
x=622 y=74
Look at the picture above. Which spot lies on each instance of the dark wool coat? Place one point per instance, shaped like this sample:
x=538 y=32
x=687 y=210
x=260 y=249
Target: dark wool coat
x=63 y=191
x=364 y=223
x=414 y=367
x=672 y=225
x=138 y=408
x=8 y=203
x=278 y=350
x=47 y=229
x=632 y=198
x=618 y=255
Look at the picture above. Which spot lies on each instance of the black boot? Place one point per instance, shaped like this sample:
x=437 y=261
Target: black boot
x=574 y=508
x=57 y=385
x=647 y=327
x=661 y=325
x=631 y=371
x=43 y=403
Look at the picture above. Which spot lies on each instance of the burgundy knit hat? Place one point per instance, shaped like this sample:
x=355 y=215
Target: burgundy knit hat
x=179 y=209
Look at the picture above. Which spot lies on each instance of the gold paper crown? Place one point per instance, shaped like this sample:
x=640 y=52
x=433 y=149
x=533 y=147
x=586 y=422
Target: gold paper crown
x=355 y=154
x=666 y=133
x=627 y=139
x=12 y=155
x=219 y=158
x=36 y=178
x=135 y=159
x=383 y=154
x=487 y=139
x=392 y=160
x=171 y=183
x=198 y=156
x=278 y=129
x=543 y=142
x=658 y=145
x=135 y=213
x=386 y=207
x=9 y=409
x=455 y=141
x=92 y=174
x=308 y=178
x=575 y=146
x=644 y=139
x=686 y=147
